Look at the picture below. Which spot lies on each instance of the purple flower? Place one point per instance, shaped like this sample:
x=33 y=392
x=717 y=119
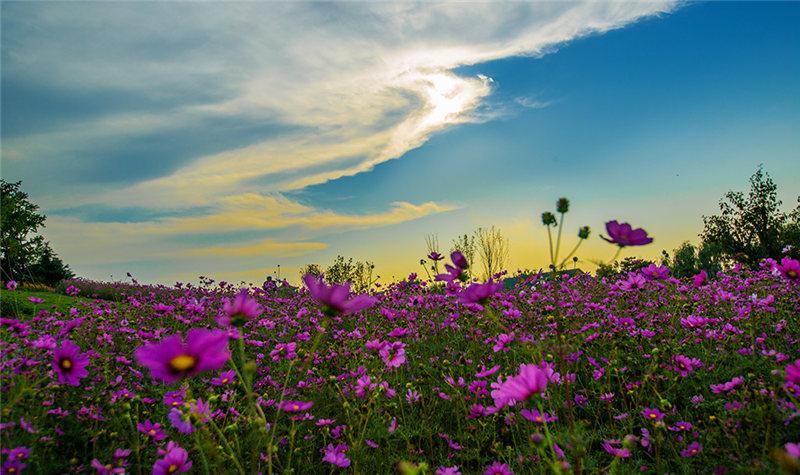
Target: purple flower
x=335 y=297
x=681 y=427
x=456 y=271
x=295 y=406
x=459 y=260
x=151 y=430
x=12 y=466
x=534 y=415
x=623 y=235
x=498 y=468
x=700 y=279
x=728 y=386
x=175 y=461
x=655 y=272
x=790 y=269
x=224 y=378
x=448 y=470
x=652 y=414
x=239 y=310
x=335 y=455
x=435 y=256
x=11 y=285
x=685 y=365
x=393 y=354
x=793 y=372
x=170 y=359
x=608 y=446
x=479 y=293
x=180 y=421
x=530 y=380
x=692 y=449
x=107 y=469
x=70 y=364
x=792 y=450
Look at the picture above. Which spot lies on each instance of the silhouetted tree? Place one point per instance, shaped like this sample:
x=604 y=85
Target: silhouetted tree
x=752 y=227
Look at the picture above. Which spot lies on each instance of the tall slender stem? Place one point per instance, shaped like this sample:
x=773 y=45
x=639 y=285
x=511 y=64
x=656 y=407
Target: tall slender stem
x=558 y=240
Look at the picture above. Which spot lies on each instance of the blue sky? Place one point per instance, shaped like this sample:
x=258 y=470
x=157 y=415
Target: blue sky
x=226 y=139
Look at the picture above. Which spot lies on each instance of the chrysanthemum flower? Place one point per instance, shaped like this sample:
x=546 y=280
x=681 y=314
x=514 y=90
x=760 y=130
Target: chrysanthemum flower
x=170 y=359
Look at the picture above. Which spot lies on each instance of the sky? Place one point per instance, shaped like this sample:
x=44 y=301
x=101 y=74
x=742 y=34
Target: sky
x=173 y=140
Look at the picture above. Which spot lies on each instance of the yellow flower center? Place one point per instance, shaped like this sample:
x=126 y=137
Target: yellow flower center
x=66 y=363
x=225 y=381
x=296 y=407
x=183 y=362
x=792 y=274
x=172 y=468
x=652 y=416
x=152 y=432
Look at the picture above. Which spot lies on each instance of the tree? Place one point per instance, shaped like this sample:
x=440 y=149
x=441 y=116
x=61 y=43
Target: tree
x=24 y=254
x=358 y=273
x=753 y=227
x=492 y=249
x=688 y=260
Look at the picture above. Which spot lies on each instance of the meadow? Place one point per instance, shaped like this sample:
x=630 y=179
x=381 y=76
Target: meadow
x=561 y=374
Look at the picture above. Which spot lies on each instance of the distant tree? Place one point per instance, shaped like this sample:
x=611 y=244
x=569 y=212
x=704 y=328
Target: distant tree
x=492 y=249
x=752 y=227
x=688 y=260
x=360 y=274
x=24 y=254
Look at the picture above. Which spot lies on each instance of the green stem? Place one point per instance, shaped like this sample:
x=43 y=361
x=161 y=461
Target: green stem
x=203 y=458
x=574 y=250
x=550 y=241
x=227 y=446
x=558 y=240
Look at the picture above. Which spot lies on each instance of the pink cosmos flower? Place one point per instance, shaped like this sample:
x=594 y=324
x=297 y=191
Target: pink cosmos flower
x=530 y=380
x=790 y=269
x=700 y=279
x=335 y=455
x=793 y=372
x=239 y=310
x=456 y=271
x=498 y=468
x=153 y=431
x=728 y=386
x=502 y=341
x=11 y=285
x=655 y=272
x=623 y=235
x=652 y=414
x=692 y=449
x=609 y=446
x=335 y=298
x=70 y=364
x=393 y=354
x=448 y=470
x=170 y=359
x=175 y=461
x=479 y=293
x=792 y=450
x=225 y=377
x=295 y=406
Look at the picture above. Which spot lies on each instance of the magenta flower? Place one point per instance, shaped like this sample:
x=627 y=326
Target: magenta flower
x=652 y=414
x=335 y=297
x=153 y=431
x=393 y=354
x=12 y=466
x=502 y=341
x=435 y=256
x=685 y=365
x=335 y=455
x=692 y=449
x=180 y=421
x=530 y=380
x=655 y=272
x=793 y=372
x=498 y=468
x=479 y=293
x=681 y=427
x=792 y=450
x=448 y=470
x=456 y=271
x=11 y=285
x=175 y=461
x=70 y=364
x=224 y=378
x=727 y=386
x=700 y=279
x=790 y=269
x=238 y=311
x=170 y=359
x=534 y=415
x=284 y=350
x=295 y=406
x=609 y=446
x=623 y=235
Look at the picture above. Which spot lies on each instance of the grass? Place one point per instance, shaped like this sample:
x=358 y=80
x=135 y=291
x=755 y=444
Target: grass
x=17 y=304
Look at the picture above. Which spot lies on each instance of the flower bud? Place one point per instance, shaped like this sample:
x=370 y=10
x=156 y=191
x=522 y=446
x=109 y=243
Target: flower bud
x=562 y=205
x=583 y=233
x=548 y=218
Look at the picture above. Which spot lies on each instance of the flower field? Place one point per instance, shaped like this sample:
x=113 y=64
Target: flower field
x=556 y=375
